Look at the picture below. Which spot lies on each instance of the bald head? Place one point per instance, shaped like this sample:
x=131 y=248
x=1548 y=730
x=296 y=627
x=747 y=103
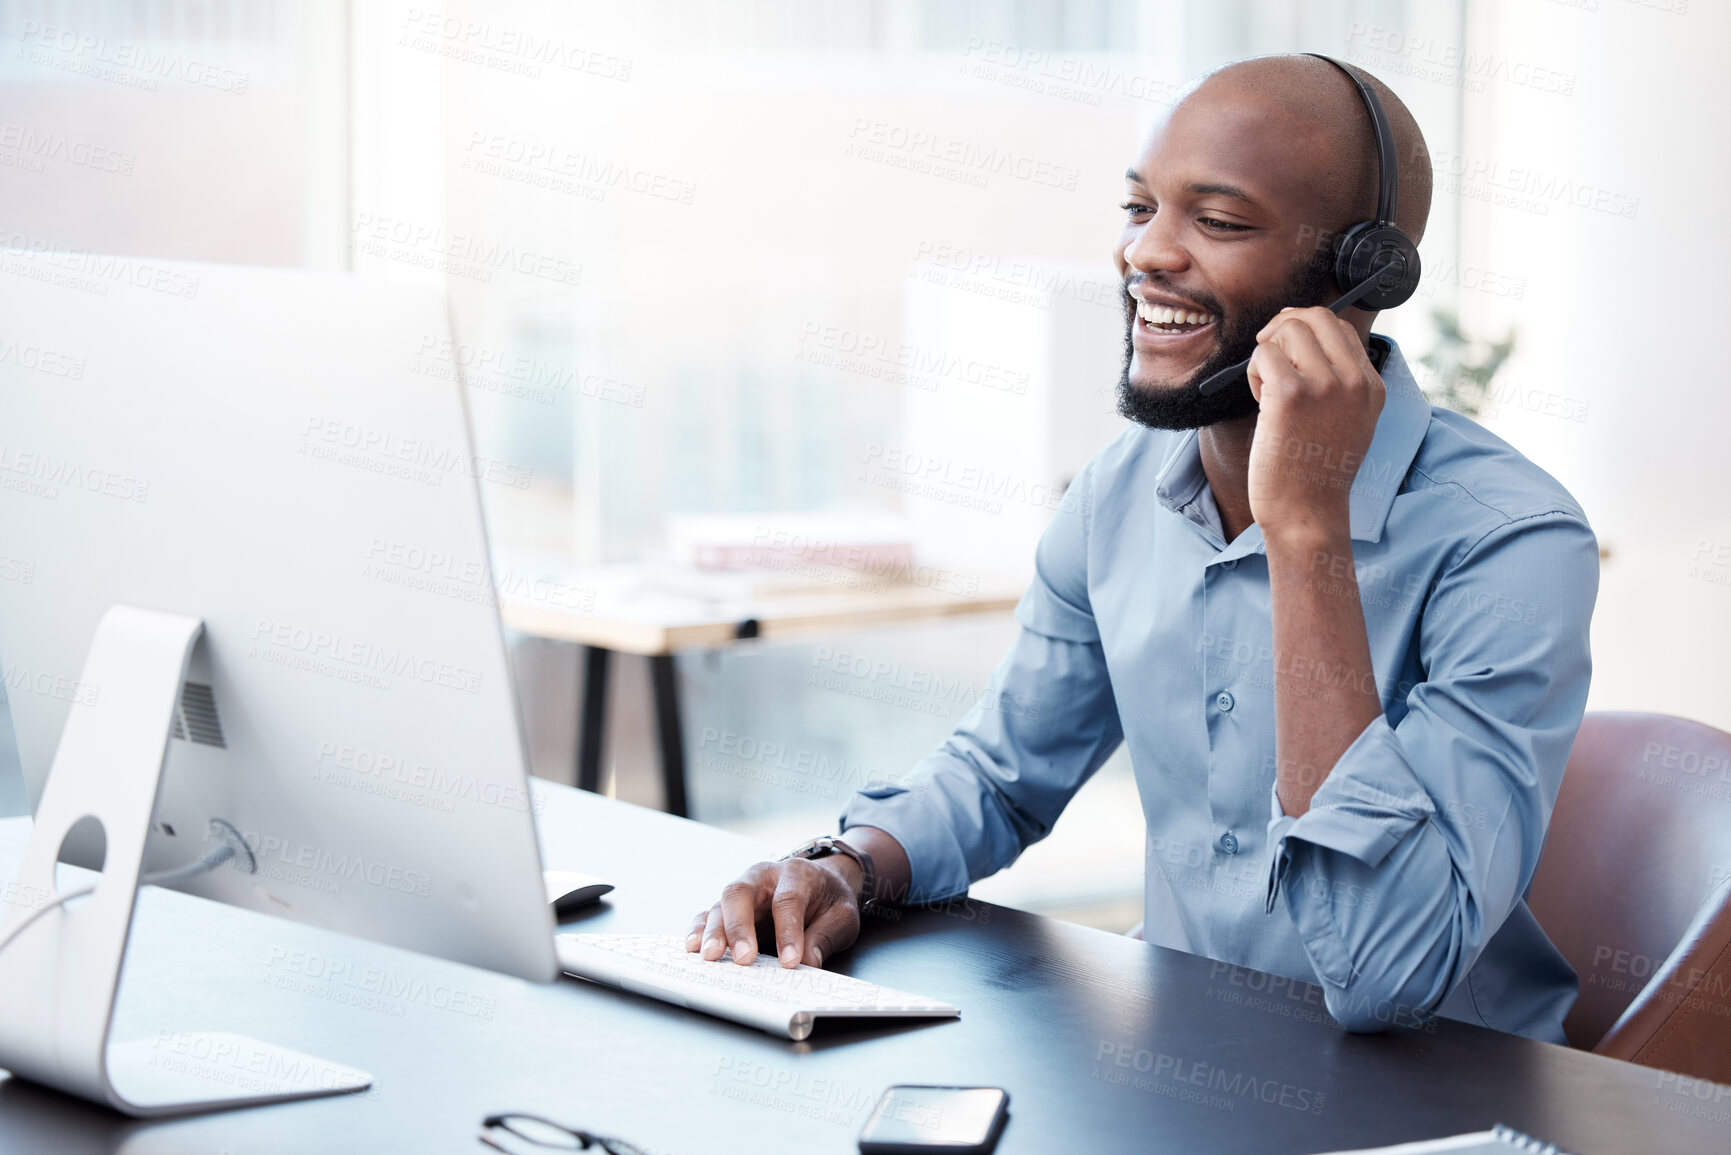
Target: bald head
x=1314 y=100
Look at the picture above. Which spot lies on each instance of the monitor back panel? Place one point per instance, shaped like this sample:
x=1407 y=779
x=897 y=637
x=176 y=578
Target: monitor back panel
x=267 y=453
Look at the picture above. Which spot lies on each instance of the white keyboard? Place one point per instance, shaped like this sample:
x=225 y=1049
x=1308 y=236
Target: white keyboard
x=764 y=995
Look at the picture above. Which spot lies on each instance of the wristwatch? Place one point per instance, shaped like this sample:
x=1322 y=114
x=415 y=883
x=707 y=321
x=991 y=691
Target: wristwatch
x=826 y=845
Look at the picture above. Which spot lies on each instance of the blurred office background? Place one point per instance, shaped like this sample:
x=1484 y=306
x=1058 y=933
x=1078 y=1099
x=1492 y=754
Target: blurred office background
x=716 y=222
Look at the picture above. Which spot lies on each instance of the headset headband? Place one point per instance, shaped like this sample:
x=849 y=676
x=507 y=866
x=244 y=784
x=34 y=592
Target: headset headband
x=1388 y=174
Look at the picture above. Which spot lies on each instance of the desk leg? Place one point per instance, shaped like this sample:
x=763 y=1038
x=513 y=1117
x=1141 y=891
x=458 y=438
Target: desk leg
x=672 y=738
x=592 y=722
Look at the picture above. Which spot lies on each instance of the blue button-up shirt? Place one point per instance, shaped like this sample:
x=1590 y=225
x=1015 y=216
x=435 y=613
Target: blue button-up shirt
x=1401 y=889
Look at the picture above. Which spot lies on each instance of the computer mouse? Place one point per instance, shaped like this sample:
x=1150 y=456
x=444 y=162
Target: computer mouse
x=567 y=890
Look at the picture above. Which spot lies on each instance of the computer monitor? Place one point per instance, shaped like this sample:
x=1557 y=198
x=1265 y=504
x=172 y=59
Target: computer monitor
x=285 y=457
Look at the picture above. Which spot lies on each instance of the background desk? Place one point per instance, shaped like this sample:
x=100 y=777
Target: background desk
x=1046 y=1010
x=633 y=608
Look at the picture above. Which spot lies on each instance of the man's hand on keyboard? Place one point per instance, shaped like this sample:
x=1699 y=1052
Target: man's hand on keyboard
x=814 y=904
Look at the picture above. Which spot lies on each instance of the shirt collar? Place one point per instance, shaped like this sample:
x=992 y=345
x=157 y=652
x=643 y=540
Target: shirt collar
x=1400 y=429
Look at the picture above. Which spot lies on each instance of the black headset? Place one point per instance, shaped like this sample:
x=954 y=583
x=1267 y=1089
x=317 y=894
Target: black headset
x=1376 y=250
x=1374 y=262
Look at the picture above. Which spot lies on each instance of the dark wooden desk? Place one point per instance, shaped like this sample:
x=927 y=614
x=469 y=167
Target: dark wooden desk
x=1105 y=1044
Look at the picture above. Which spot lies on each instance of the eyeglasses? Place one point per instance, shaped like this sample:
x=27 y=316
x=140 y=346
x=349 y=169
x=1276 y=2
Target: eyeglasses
x=546 y=1133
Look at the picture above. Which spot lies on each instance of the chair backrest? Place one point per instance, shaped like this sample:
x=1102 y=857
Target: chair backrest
x=1638 y=858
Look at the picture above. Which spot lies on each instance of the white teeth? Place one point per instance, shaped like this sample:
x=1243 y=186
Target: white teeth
x=1164 y=315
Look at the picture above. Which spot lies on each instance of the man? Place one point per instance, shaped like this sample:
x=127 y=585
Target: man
x=1345 y=636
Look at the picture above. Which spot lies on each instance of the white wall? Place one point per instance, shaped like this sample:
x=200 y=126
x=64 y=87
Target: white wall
x=1616 y=388
x=984 y=469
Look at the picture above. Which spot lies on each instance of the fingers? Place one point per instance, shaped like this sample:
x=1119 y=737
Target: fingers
x=1325 y=354
x=1345 y=351
x=1274 y=361
x=1275 y=322
x=834 y=929
x=1316 y=337
x=717 y=930
x=714 y=935
x=1271 y=370
x=794 y=895
x=739 y=905
x=694 y=937
x=1305 y=353
x=1254 y=371
x=813 y=913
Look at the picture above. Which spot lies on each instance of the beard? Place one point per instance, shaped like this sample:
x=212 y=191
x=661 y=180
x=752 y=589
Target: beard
x=1177 y=405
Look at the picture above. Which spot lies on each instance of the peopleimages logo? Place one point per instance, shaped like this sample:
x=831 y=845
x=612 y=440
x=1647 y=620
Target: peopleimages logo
x=134 y=65
x=459 y=254
x=304 y=864
x=1192 y=1080
x=38 y=359
x=504 y=49
x=962 y=483
x=352 y=659
x=1073 y=78
x=1521 y=186
x=823 y=1099
x=39 y=146
x=414 y=781
x=43 y=475
x=1016 y=280
x=413 y=458
x=1427 y=58
x=917 y=366
x=56 y=686
x=371 y=987
x=519 y=375
x=39 y=259
x=547 y=164
x=920 y=149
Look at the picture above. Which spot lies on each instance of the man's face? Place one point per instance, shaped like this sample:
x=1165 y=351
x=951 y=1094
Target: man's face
x=1226 y=223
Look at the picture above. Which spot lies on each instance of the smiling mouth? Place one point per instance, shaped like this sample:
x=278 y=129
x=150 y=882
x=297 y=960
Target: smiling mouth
x=1169 y=322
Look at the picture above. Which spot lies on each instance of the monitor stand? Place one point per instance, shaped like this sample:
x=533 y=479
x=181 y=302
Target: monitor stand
x=58 y=978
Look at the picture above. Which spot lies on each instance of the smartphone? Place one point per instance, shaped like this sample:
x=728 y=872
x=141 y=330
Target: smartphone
x=961 y=1120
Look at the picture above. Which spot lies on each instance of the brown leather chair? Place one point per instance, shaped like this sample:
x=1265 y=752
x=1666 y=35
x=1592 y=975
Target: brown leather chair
x=1634 y=887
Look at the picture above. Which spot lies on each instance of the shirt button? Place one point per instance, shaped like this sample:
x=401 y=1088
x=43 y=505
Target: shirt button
x=1229 y=563
x=1229 y=842
x=1224 y=701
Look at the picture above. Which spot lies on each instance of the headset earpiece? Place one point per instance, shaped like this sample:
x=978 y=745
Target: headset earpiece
x=1368 y=246
x=1377 y=244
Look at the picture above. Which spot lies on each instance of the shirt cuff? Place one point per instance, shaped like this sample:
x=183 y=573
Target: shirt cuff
x=936 y=867
x=1370 y=800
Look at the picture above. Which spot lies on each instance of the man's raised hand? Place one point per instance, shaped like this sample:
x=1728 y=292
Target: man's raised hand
x=1320 y=400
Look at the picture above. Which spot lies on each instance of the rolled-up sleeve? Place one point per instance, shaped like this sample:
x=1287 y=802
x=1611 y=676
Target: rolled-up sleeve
x=1426 y=832
x=1047 y=721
